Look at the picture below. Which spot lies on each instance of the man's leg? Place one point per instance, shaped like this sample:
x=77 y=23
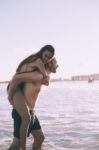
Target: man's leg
x=15 y=144
x=36 y=131
x=16 y=133
x=38 y=139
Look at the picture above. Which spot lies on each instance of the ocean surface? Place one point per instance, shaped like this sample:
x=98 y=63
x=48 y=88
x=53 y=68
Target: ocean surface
x=68 y=113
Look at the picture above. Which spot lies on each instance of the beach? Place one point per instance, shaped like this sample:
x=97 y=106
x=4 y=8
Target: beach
x=68 y=113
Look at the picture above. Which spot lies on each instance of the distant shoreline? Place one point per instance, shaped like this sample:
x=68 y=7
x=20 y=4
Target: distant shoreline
x=4 y=82
x=52 y=80
x=73 y=78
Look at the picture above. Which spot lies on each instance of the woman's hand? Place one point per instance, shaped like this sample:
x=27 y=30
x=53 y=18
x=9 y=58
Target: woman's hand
x=45 y=80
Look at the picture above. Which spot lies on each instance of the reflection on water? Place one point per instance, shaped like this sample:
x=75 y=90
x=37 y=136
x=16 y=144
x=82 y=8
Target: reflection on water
x=69 y=115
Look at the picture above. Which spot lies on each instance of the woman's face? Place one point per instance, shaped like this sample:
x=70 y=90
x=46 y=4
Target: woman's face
x=46 y=56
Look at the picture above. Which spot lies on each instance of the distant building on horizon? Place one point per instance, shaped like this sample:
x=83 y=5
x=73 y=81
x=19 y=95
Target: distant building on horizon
x=85 y=77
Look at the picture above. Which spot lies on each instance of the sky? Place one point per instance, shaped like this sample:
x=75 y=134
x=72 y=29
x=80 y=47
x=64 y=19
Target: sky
x=71 y=26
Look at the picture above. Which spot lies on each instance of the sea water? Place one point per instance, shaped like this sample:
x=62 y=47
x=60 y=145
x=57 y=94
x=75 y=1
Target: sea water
x=68 y=113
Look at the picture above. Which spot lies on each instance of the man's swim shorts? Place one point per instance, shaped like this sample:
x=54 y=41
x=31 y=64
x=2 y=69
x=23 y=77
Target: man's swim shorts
x=34 y=123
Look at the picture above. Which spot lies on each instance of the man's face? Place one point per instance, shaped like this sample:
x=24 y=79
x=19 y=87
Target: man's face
x=53 y=65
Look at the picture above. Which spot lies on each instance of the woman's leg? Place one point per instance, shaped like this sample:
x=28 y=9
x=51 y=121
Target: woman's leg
x=21 y=108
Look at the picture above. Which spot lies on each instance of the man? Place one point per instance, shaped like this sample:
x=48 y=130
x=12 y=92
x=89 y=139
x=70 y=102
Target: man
x=35 y=128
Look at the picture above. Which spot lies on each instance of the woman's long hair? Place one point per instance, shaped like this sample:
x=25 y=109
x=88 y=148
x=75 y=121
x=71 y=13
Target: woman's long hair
x=35 y=56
